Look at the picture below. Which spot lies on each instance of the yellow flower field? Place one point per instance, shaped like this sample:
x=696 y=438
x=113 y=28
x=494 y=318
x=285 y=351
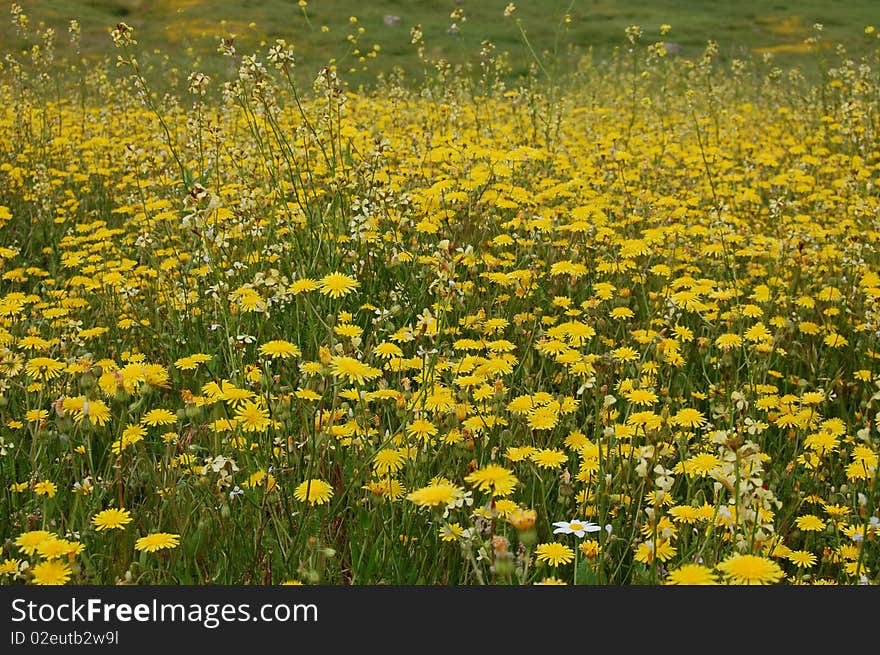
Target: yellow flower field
x=263 y=333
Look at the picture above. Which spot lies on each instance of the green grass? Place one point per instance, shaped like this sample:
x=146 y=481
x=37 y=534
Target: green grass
x=616 y=245
x=191 y=28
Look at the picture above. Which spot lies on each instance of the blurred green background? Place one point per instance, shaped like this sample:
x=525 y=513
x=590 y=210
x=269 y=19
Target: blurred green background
x=186 y=29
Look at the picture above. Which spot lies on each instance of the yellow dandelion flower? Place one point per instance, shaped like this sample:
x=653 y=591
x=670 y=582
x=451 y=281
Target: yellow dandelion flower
x=750 y=569
x=337 y=285
x=388 y=488
x=519 y=453
x=437 y=494
x=648 y=551
x=157 y=541
x=159 y=417
x=554 y=553
x=548 y=458
x=698 y=465
x=314 y=491
x=388 y=461
x=493 y=478
x=303 y=285
x=692 y=574
x=353 y=370
x=688 y=418
x=51 y=572
x=279 y=349
x=10 y=566
x=111 y=519
x=253 y=418
x=451 y=531
x=544 y=418
x=810 y=523
x=348 y=330
x=644 y=397
x=36 y=415
x=625 y=354
x=46 y=488
x=728 y=341
x=803 y=559
x=421 y=429
x=44 y=368
x=230 y=393
x=28 y=542
x=53 y=548
x=387 y=350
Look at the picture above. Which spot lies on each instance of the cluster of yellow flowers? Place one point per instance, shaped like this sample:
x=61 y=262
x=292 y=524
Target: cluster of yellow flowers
x=661 y=315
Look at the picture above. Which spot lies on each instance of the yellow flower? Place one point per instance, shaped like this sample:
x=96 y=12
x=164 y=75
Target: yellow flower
x=728 y=341
x=433 y=495
x=279 y=349
x=348 y=330
x=544 y=417
x=699 y=465
x=95 y=410
x=624 y=354
x=53 y=548
x=111 y=519
x=387 y=350
x=522 y=519
x=750 y=569
x=504 y=507
x=548 y=458
x=232 y=394
x=252 y=417
x=834 y=340
x=192 y=362
x=451 y=531
x=28 y=542
x=685 y=514
x=519 y=453
x=44 y=368
x=157 y=541
x=692 y=574
x=337 y=285
x=314 y=491
x=388 y=461
x=34 y=342
x=644 y=397
x=46 y=488
x=388 y=488
x=688 y=418
x=159 y=417
x=493 y=478
x=9 y=566
x=352 y=369
x=36 y=415
x=260 y=478
x=590 y=548
x=132 y=434
x=802 y=559
x=421 y=428
x=810 y=523
x=554 y=553
x=51 y=572
x=648 y=551
x=303 y=286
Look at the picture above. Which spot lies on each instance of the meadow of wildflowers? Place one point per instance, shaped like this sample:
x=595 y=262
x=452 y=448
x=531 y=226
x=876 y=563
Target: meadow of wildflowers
x=617 y=325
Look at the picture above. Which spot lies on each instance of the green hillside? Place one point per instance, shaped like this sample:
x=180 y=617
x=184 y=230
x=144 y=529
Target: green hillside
x=320 y=31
